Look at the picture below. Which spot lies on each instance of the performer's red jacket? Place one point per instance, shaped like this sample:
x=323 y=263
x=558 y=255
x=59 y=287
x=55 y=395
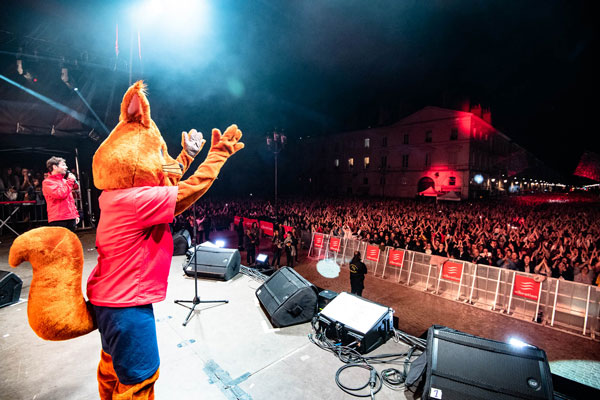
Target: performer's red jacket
x=59 y=198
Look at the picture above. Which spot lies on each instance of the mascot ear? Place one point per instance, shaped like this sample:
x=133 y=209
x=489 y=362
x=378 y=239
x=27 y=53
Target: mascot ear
x=135 y=106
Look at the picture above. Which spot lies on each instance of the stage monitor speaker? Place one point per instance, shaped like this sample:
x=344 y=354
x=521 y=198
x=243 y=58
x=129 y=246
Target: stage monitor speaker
x=466 y=367
x=214 y=262
x=10 y=288
x=288 y=298
x=181 y=242
x=325 y=297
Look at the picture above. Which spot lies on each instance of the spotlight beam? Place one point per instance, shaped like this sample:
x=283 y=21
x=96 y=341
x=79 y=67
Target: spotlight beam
x=92 y=110
x=61 y=107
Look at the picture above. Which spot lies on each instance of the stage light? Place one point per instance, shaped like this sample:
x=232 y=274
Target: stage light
x=174 y=17
x=478 y=178
x=220 y=243
x=518 y=343
x=261 y=258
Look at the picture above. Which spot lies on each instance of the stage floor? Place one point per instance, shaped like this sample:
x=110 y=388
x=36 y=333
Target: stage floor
x=231 y=351
x=227 y=351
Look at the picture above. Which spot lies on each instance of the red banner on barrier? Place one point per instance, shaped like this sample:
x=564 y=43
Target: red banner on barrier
x=527 y=287
x=334 y=244
x=266 y=227
x=236 y=220
x=396 y=257
x=248 y=222
x=452 y=271
x=372 y=252
x=318 y=241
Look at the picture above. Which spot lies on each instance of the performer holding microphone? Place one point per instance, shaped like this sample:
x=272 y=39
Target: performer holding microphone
x=59 y=196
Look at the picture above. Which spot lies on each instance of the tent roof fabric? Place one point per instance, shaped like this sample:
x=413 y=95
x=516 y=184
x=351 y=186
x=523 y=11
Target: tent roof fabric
x=450 y=196
x=430 y=191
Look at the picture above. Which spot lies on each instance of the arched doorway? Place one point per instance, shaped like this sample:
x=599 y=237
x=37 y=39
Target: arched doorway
x=424 y=183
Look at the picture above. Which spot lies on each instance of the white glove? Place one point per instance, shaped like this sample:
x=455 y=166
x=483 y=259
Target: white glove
x=192 y=142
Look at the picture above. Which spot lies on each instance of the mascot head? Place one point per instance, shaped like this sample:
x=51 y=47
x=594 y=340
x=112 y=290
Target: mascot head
x=134 y=154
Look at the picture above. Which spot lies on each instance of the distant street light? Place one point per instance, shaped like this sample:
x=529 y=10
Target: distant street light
x=275 y=143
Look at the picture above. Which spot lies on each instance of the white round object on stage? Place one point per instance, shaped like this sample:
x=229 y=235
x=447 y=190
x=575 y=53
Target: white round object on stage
x=328 y=268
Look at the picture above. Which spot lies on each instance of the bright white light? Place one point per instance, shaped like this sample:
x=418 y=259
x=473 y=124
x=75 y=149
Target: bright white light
x=517 y=343
x=328 y=268
x=170 y=19
x=261 y=258
x=478 y=178
x=220 y=243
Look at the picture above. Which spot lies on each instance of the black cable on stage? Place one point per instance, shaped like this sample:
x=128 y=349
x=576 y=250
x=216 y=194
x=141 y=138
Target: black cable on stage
x=391 y=377
x=374 y=383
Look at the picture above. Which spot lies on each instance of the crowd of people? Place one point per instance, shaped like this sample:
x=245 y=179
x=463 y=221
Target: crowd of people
x=18 y=184
x=536 y=234
x=555 y=239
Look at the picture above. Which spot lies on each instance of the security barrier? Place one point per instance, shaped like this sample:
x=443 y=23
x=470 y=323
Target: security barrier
x=557 y=303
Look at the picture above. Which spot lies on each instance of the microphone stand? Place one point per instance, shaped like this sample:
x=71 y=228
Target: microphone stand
x=196 y=300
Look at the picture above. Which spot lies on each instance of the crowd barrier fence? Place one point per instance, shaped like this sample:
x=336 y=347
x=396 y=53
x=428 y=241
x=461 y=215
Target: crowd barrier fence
x=566 y=305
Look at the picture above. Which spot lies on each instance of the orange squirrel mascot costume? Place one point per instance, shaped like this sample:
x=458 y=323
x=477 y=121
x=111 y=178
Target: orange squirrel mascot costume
x=142 y=194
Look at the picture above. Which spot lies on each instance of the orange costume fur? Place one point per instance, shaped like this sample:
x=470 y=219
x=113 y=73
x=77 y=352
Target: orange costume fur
x=133 y=155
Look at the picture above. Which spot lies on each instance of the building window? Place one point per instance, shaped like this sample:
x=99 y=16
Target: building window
x=405 y=161
x=428 y=137
x=452 y=181
x=383 y=161
x=366 y=162
x=384 y=141
x=351 y=162
x=367 y=143
x=427 y=159
x=336 y=162
x=405 y=138
x=365 y=181
x=454 y=134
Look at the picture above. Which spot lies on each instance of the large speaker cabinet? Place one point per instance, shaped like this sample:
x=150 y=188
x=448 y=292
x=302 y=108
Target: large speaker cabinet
x=10 y=288
x=465 y=367
x=181 y=242
x=288 y=298
x=214 y=262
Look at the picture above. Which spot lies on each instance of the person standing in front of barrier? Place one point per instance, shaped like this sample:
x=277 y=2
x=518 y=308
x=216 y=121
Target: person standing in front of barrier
x=59 y=196
x=296 y=243
x=277 y=248
x=250 y=244
x=358 y=270
x=290 y=250
x=240 y=234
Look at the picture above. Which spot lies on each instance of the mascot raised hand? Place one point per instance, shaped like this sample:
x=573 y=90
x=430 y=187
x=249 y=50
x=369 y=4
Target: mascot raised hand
x=142 y=192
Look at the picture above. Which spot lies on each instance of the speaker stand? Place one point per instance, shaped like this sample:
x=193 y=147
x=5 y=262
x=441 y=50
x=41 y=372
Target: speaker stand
x=196 y=300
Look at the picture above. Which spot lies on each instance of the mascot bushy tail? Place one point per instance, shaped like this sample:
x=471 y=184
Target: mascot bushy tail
x=56 y=308
x=143 y=190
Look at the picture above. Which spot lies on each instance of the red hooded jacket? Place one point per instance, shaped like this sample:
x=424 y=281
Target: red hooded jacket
x=59 y=197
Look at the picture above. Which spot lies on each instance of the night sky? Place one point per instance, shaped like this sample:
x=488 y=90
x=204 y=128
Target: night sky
x=317 y=67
